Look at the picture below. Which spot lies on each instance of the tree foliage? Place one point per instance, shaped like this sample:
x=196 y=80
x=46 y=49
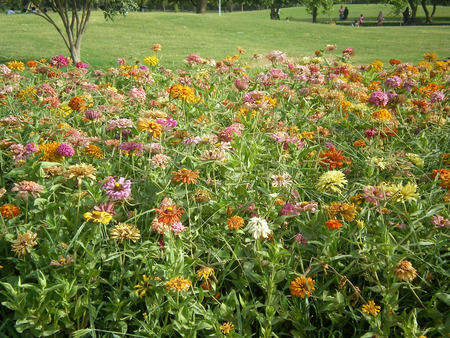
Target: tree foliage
x=74 y=16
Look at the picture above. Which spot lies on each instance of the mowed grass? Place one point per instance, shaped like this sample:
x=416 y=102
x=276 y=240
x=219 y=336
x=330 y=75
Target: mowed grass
x=26 y=37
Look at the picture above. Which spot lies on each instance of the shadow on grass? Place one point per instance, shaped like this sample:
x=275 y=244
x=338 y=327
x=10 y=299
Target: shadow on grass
x=372 y=22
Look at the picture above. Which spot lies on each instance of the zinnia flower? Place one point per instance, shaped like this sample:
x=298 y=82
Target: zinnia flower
x=125 y=231
x=371 y=308
x=404 y=271
x=400 y=193
x=333 y=224
x=143 y=286
x=9 y=211
x=80 y=171
x=281 y=180
x=154 y=128
x=177 y=227
x=235 y=222
x=331 y=181
x=179 y=284
x=117 y=190
x=205 y=272
x=226 y=327
x=186 y=176
x=258 y=227
x=65 y=150
x=344 y=210
x=24 y=188
x=301 y=286
x=169 y=214
x=98 y=217
x=24 y=243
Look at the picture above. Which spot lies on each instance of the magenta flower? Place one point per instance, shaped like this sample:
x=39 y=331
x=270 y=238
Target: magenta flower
x=81 y=65
x=65 y=150
x=379 y=98
x=300 y=239
x=440 y=222
x=117 y=190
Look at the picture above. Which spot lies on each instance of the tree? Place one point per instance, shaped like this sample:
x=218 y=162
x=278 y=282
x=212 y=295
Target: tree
x=75 y=14
x=429 y=16
x=313 y=6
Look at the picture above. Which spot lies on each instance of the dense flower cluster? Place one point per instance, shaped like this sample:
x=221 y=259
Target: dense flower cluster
x=244 y=179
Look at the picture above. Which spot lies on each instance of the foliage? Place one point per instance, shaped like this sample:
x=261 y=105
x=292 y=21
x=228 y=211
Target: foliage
x=305 y=196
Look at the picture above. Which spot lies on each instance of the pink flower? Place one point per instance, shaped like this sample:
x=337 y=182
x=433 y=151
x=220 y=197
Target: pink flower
x=24 y=188
x=440 y=222
x=379 y=98
x=137 y=94
x=117 y=190
x=300 y=239
x=177 y=227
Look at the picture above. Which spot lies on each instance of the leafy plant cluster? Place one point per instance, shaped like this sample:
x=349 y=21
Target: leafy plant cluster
x=302 y=198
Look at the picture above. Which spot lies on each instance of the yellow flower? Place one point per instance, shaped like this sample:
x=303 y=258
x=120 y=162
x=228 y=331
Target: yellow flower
x=50 y=151
x=155 y=129
x=205 y=272
x=98 y=217
x=301 y=286
x=80 y=171
x=226 y=327
x=16 y=65
x=376 y=66
x=178 y=283
x=151 y=60
x=143 y=286
x=382 y=114
x=371 y=308
x=93 y=151
x=404 y=271
x=331 y=181
x=235 y=222
x=400 y=193
x=342 y=210
x=123 y=231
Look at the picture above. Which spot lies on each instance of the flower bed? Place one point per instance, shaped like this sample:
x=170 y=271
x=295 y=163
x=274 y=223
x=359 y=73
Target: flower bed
x=305 y=198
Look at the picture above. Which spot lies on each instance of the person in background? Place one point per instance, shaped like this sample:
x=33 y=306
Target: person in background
x=380 y=19
x=11 y=11
x=355 y=24
x=341 y=13
x=345 y=13
x=361 y=19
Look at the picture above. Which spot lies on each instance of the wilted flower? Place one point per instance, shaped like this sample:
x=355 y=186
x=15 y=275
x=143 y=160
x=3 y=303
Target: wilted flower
x=302 y=286
x=258 y=227
x=62 y=261
x=125 y=231
x=400 y=193
x=300 y=239
x=440 y=222
x=281 y=180
x=24 y=188
x=143 y=286
x=404 y=271
x=342 y=210
x=80 y=171
x=205 y=272
x=24 y=243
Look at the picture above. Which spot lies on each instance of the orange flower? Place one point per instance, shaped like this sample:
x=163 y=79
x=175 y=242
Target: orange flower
x=394 y=62
x=301 y=286
x=333 y=224
x=9 y=211
x=32 y=64
x=77 y=104
x=170 y=214
x=333 y=158
x=186 y=176
x=235 y=222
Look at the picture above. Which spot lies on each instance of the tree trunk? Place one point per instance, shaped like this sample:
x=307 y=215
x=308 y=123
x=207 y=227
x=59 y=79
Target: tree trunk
x=314 y=14
x=201 y=6
x=413 y=6
x=242 y=7
x=427 y=13
x=273 y=13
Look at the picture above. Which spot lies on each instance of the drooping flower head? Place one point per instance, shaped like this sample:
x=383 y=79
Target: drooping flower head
x=24 y=188
x=24 y=243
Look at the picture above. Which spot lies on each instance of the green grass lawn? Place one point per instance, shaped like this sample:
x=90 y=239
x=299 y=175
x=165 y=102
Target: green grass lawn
x=26 y=37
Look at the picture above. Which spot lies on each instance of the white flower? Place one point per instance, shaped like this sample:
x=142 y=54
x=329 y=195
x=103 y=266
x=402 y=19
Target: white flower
x=281 y=180
x=258 y=228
